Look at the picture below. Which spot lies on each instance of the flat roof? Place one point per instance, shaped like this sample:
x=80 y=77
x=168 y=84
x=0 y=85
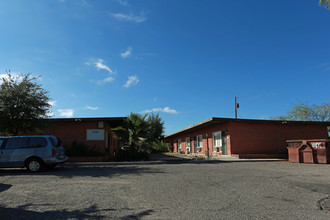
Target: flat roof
x=215 y=120
x=88 y=119
x=112 y=121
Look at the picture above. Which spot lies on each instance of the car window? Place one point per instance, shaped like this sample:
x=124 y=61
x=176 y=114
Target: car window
x=1 y=141
x=15 y=143
x=37 y=142
x=56 y=141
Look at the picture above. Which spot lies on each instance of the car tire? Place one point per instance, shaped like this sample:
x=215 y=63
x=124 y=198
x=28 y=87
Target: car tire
x=34 y=165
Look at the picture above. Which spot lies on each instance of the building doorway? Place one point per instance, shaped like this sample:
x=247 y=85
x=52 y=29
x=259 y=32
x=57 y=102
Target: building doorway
x=195 y=145
x=188 y=145
x=224 y=142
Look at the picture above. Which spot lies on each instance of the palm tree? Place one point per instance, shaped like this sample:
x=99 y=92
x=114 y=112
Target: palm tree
x=134 y=131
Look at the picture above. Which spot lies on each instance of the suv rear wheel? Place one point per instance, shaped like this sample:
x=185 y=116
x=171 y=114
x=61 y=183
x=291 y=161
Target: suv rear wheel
x=34 y=165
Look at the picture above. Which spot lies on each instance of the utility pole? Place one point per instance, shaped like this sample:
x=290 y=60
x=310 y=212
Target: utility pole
x=236 y=107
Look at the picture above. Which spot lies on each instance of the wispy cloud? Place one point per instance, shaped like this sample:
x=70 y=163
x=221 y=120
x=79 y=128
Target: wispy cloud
x=78 y=2
x=16 y=75
x=99 y=64
x=68 y=113
x=5 y=76
x=127 y=53
x=123 y=2
x=91 y=108
x=129 y=17
x=165 y=110
x=52 y=103
x=132 y=80
x=105 y=80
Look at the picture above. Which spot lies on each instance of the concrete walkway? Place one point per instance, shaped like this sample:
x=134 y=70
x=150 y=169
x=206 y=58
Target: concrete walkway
x=190 y=157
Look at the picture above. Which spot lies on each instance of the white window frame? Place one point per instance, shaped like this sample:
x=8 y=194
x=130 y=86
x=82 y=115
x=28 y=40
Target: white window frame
x=199 y=143
x=217 y=143
x=188 y=144
x=179 y=145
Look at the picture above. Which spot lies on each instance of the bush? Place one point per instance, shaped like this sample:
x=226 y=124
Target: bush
x=82 y=150
x=159 y=147
x=128 y=155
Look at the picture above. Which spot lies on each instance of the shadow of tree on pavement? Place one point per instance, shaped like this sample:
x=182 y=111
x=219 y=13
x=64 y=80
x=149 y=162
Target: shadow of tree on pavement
x=22 y=212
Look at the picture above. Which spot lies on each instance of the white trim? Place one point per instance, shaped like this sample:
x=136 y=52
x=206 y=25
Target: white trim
x=179 y=145
x=199 y=146
x=217 y=143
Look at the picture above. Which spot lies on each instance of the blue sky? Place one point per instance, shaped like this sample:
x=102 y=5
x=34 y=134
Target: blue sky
x=185 y=60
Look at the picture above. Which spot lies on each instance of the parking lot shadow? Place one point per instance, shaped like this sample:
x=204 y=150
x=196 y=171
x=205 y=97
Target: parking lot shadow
x=4 y=187
x=71 y=170
x=25 y=212
x=139 y=215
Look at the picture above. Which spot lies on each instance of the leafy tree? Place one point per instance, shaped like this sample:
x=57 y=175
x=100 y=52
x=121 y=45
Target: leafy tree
x=134 y=131
x=325 y=3
x=140 y=133
x=23 y=102
x=156 y=128
x=305 y=112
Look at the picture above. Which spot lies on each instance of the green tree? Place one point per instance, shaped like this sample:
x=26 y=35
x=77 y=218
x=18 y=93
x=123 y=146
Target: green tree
x=23 y=102
x=305 y=112
x=133 y=132
x=141 y=133
x=156 y=128
x=325 y=3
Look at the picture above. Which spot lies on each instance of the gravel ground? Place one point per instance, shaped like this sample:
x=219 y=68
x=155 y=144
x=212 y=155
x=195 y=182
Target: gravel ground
x=172 y=190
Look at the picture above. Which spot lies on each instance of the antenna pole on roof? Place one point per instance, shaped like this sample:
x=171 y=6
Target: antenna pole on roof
x=236 y=107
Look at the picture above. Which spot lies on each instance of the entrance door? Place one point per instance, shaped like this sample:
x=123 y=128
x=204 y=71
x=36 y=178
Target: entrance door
x=224 y=142
x=188 y=145
x=195 y=145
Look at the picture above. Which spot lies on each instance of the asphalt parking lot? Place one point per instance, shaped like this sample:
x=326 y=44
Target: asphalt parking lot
x=172 y=190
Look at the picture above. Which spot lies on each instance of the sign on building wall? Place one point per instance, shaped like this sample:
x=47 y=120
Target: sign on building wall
x=95 y=134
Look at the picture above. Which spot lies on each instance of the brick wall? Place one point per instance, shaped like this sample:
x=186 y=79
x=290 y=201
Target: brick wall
x=252 y=137
x=202 y=131
x=70 y=131
x=270 y=138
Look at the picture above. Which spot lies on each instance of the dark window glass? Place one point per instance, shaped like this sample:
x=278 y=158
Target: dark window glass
x=56 y=141
x=15 y=143
x=37 y=142
x=1 y=141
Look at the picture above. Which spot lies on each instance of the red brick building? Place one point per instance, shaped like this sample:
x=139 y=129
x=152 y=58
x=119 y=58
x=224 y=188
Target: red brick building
x=244 y=138
x=93 y=132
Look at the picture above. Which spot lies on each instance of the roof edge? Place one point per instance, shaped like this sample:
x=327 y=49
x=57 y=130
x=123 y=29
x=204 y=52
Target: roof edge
x=217 y=119
x=87 y=119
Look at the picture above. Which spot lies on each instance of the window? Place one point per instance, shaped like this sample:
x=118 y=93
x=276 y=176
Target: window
x=328 y=131
x=95 y=134
x=16 y=143
x=217 y=142
x=179 y=145
x=1 y=141
x=56 y=141
x=200 y=143
x=188 y=145
x=37 y=142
